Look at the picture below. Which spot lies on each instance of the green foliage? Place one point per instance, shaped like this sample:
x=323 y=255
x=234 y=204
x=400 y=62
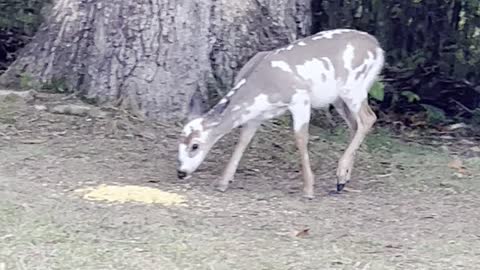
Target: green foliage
x=26 y=81
x=19 y=20
x=377 y=91
x=56 y=85
x=21 y=15
x=434 y=115
x=411 y=97
x=440 y=33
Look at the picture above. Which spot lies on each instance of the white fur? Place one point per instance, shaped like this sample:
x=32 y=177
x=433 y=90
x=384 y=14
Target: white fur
x=194 y=125
x=287 y=48
x=236 y=87
x=182 y=154
x=223 y=100
x=239 y=84
x=189 y=164
x=300 y=108
x=353 y=91
x=263 y=109
x=356 y=90
x=322 y=92
x=281 y=65
x=347 y=56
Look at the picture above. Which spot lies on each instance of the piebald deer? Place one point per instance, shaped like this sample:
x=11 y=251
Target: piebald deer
x=335 y=67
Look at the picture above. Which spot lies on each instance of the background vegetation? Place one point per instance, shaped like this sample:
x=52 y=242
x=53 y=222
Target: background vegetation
x=433 y=49
x=19 y=20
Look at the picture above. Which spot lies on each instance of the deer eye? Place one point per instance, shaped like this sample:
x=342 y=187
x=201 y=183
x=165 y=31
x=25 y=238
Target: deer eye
x=195 y=147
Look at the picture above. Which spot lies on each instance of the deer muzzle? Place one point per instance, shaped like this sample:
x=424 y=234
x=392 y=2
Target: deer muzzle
x=181 y=174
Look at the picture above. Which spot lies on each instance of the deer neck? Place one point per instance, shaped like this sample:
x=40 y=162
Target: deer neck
x=222 y=123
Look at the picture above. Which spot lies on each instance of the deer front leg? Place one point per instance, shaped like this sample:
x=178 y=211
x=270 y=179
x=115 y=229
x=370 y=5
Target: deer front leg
x=301 y=138
x=365 y=119
x=246 y=134
x=301 y=111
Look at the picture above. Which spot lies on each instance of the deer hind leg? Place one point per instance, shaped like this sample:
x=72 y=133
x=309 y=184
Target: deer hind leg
x=301 y=111
x=364 y=118
x=345 y=113
x=246 y=134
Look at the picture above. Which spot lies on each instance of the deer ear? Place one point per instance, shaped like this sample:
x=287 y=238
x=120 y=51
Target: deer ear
x=196 y=106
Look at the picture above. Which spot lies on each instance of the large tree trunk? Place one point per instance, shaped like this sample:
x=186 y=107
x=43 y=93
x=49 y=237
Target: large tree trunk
x=153 y=55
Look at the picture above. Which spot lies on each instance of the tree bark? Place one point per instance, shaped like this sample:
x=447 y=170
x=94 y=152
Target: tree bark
x=151 y=56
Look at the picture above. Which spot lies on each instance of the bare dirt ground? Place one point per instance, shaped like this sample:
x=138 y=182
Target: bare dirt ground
x=413 y=211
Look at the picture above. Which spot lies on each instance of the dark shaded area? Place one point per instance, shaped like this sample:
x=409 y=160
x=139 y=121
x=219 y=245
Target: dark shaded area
x=19 y=20
x=455 y=98
x=9 y=44
x=433 y=51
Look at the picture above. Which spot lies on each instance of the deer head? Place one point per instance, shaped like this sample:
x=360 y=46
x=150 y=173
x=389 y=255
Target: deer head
x=198 y=135
x=193 y=145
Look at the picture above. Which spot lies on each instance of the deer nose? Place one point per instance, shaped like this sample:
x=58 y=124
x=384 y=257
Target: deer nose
x=181 y=174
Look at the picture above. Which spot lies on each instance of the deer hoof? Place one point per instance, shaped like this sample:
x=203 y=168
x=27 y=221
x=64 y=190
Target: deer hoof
x=308 y=195
x=221 y=187
x=340 y=187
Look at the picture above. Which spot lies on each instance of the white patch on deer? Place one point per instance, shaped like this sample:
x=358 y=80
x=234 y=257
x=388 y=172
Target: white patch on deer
x=347 y=56
x=239 y=84
x=323 y=90
x=194 y=125
x=182 y=152
x=282 y=65
x=300 y=108
x=301 y=43
x=287 y=48
x=328 y=34
x=223 y=100
x=356 y=88
x=263 y=109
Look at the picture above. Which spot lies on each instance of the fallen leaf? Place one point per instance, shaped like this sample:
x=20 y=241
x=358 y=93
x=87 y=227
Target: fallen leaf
x=457 y=164
x=300 y=233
